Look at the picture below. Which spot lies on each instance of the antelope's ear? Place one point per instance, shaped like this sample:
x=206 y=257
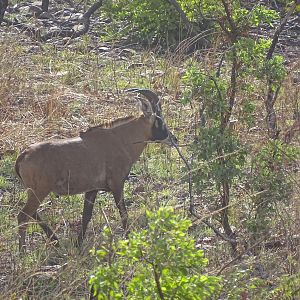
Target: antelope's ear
x=145 y=106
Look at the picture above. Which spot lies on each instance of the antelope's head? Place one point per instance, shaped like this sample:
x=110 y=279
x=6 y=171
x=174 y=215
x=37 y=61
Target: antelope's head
x=151 y=108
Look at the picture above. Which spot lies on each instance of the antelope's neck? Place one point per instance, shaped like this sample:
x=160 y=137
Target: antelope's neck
x=135 y=135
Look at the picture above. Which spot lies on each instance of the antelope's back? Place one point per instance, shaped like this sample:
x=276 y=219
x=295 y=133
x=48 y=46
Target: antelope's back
x=72 y=166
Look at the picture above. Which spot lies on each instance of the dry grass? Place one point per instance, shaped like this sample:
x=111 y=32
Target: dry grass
x=39 y=102
x=45 y=92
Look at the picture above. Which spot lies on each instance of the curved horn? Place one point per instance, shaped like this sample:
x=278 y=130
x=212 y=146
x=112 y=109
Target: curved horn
x=150 y=95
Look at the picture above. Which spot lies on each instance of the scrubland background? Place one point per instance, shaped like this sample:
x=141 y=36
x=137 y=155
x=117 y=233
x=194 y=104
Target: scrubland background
x=234 y=110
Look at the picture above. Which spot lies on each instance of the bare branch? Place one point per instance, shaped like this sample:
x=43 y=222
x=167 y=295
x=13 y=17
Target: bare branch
x=92 y=9
x=278 y=31
x=233 y=28
x=72 y=33
x=239 y=256
x=271 y=94
x=271 y=114
x=232 y=91
x=157 y=281
x=218 y=72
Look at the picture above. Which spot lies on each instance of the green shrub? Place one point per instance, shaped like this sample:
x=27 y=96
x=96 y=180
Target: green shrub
x=151 y=21
x=158 y=262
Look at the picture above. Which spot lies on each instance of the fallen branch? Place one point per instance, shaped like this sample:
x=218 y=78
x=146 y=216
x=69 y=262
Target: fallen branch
x=72 y=33
x=92 y=9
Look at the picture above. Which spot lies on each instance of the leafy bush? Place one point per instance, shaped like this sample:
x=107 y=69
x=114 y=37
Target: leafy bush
x=269 y=183
x=221 y=156
x=151 y=21
x=159 y=262
x=241 y=284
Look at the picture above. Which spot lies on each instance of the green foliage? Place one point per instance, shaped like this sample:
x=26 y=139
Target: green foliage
x=3 y=183
x=148 y=20
x=248 y=109
x=241 y=283
x=219 y=157
x=206 y=153
x=258 y=15
x=243 y=18
x=252 y=54
x=192 y=8
x=158 y=21
x=161 y=257
x=275 y=69
x=7 y=175
x=270 y=182
x=288 y=288
x=210 y=91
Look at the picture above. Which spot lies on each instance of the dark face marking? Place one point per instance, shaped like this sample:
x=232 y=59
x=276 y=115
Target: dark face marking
x=159 y=130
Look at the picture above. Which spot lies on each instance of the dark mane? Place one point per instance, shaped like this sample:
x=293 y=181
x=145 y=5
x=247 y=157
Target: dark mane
x=109 y=124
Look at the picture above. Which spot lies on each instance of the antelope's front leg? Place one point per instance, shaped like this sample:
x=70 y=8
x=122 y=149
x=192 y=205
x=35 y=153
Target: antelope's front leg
x=89 y=201
x=119 y=200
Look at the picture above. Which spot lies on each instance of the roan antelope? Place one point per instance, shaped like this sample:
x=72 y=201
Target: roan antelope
x=99 y=159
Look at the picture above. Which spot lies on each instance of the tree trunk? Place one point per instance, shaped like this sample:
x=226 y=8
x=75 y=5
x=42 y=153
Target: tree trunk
x=3 y=6
x=45 y=5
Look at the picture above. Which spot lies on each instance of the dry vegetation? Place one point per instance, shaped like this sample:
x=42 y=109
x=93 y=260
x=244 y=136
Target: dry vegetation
x=48 y=92
x=56 y=91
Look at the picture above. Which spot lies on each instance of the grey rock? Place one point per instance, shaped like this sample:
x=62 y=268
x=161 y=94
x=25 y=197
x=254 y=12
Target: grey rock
x=76 y=16
x=58 y=13
x=103 y=49
x=54 y=28
x=46 y=15
x=78 y=27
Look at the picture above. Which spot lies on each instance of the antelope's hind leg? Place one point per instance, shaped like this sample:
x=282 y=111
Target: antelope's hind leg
x=89 y=201
x=29 y=211
x=50 y=234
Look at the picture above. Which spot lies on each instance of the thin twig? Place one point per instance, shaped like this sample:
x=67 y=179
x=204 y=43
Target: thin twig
x=106 y=221
x=218 y=72
x=192 y=205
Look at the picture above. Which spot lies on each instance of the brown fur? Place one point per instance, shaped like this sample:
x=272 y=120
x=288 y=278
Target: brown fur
x=111 y=124
x=99 y=159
